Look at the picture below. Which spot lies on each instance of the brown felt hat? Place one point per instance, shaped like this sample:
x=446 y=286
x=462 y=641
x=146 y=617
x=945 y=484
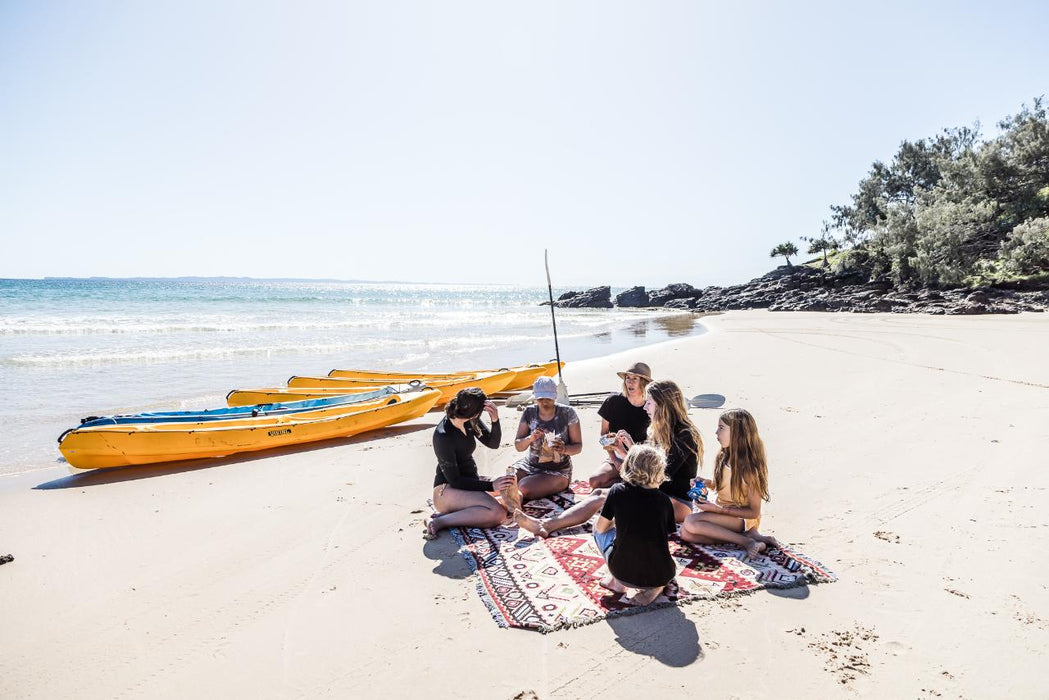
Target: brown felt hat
x=640 y=369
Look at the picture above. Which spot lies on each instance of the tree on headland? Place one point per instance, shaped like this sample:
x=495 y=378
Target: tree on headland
x=786 y=250
x=821 y=245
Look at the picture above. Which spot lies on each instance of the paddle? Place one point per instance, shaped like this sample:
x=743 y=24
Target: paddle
x=707 y=401
x=562 y=390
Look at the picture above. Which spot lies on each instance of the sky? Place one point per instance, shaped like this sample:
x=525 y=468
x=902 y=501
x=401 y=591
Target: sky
x=640 y=143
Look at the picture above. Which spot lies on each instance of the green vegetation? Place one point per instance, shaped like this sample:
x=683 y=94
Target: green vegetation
x=951 y=210
x=823 y=244
x=786 y=250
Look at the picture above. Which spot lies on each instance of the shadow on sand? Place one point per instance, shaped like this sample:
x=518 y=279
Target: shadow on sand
x=796 y=593
x=445 y=551
x=99 y=477
x=664 y=634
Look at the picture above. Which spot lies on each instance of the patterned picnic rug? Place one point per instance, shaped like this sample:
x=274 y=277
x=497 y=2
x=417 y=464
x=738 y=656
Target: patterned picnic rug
x=549 y=584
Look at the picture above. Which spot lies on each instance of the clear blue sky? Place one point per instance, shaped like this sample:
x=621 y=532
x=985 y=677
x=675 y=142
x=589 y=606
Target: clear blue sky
x=643 y=142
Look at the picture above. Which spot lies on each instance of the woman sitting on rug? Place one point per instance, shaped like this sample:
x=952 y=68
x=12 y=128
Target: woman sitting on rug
x=741 y=481
x=550 y=432
x=673 y=432
x=623 y=411
x=461 y=497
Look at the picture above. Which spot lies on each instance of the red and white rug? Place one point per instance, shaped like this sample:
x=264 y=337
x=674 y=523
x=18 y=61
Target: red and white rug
x=549 y=584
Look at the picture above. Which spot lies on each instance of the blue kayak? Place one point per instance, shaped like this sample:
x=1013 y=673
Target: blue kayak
x=265 y=409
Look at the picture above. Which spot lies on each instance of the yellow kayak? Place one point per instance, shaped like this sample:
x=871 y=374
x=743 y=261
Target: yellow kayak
x=527 y=374
x=123 y=445
x=523 y=377
x=489 y=383
x=282 y=394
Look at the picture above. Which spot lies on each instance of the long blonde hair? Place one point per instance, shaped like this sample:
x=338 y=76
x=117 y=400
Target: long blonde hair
x=745 y=456
x=644 y=466
x=670 y=416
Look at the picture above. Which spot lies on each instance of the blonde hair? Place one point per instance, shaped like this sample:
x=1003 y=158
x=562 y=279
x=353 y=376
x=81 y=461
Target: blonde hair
x=644 y=466
x=745 y=456
x=670 y=416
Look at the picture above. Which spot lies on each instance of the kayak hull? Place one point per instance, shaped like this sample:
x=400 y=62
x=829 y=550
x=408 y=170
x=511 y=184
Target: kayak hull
x=261 y=408
x=489 y=383
x=107 y=446
x=523 y=377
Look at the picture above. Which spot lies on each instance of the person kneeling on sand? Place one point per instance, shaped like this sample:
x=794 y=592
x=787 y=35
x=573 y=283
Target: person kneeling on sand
x=631 y=532
x=550 y=432
x=742 y=483
x=460 y=496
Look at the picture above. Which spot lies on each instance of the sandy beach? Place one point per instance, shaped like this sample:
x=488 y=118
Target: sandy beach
x=907 y=453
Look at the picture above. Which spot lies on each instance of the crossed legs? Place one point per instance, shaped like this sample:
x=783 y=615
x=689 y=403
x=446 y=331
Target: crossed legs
x=540 y=485
x=713 y=528
x=458 y=508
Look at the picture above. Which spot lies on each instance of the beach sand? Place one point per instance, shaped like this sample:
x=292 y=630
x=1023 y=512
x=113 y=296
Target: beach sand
x=907 y=453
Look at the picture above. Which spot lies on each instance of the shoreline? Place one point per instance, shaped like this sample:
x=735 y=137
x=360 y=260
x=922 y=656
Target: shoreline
x=695 y=330
x=48 y=399
x=903 y=455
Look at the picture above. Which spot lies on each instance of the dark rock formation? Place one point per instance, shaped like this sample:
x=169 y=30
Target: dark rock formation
x=678 y=290
x=802 y=288
x=596 y=298
x=632 y=298
x=808 y=289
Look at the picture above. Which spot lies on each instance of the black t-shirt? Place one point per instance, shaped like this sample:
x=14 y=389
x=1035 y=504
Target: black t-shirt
x=640 y=552
x=455 y=454
x=623 y=415
x=682 y=464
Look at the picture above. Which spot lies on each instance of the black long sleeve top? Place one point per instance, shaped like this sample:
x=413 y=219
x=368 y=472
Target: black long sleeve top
x=454 y=449
x=682 y=465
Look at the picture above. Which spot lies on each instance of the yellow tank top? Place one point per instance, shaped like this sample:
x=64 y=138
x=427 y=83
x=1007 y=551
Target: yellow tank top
x=725 y=495
x=727 y=498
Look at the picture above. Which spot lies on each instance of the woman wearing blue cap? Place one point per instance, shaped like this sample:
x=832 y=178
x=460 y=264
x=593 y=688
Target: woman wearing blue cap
x=550 y=432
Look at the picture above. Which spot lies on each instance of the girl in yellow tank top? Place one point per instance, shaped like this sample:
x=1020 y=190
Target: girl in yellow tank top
x=741 y=482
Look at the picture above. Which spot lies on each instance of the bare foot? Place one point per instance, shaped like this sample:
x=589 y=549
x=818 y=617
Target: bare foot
x=645 y=596
x=612 y=583
x=527 y=522
x=431 y=529
x=770 y=541
x=755 y=548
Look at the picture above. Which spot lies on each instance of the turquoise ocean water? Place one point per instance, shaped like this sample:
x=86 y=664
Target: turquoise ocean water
x=76 y=347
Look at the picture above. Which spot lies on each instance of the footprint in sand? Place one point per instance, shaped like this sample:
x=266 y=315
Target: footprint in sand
x=844 y=652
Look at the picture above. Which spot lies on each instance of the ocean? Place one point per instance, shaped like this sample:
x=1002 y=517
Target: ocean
x=70 y=348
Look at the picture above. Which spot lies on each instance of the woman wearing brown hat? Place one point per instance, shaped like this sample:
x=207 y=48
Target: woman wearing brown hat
x=623 y=411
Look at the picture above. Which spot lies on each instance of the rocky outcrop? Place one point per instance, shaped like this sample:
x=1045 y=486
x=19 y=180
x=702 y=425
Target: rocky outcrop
x=672 y=292
x=596 y=298
x=632 y=298
x=803 y=288
x=808 y=289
